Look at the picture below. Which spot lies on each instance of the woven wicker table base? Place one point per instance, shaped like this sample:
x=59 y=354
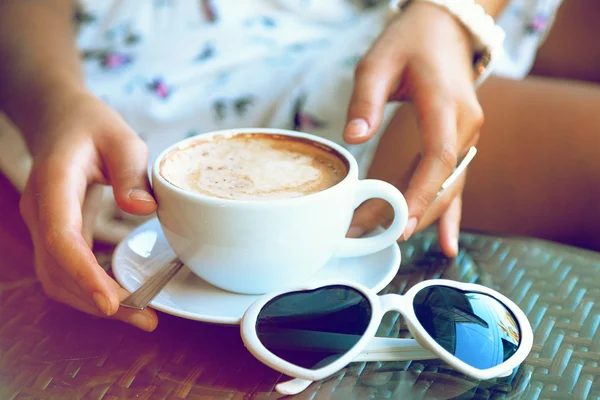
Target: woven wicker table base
x=48 y=351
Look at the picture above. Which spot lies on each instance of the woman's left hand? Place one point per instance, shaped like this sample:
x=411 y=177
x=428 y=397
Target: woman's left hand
x=424 y=56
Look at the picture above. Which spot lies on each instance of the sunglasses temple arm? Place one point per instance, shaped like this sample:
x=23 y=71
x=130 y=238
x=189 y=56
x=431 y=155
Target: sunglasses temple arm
x=393 y=349
x=378 y=349
x=293 y=386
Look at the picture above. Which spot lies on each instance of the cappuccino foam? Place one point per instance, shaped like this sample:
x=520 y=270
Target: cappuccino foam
x=254 y=167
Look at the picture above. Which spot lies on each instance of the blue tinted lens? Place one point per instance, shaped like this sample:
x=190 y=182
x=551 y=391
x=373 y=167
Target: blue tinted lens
x=314 y=328
x=474 y=327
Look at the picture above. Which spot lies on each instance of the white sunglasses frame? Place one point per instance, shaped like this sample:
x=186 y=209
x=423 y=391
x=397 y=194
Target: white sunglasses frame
x=372 y=348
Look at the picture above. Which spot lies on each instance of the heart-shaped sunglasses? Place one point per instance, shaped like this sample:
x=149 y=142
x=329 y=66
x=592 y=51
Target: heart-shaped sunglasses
x=312 y=332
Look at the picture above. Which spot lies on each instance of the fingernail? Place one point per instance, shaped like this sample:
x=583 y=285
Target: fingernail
x=355 y=232
x=140 y=195
x=102 y=303
x=454 y=245
x=357 y=128
x=410 y=228
x=141 y=321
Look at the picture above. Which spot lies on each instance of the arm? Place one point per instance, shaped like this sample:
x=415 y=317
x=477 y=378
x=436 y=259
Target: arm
x=38 y=56
x=77 y=142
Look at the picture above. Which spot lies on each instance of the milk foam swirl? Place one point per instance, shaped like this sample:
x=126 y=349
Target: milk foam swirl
x=253 y=167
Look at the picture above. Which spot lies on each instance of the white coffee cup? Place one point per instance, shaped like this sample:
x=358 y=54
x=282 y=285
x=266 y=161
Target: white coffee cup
x=258 y=246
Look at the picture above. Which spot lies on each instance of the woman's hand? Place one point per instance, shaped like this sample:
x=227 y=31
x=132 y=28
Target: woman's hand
x=81 y=143
x=424 y=56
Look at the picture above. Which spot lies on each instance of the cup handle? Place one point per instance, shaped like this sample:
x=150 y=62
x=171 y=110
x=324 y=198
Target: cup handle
x=376 y=189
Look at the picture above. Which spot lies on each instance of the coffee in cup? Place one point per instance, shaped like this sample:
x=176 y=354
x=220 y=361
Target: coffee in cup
x=254 y=166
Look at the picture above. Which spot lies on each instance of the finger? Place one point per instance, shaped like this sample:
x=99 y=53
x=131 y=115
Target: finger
x=441 y=204
x=60 y=287
x=368 y=216
x=377 y=212
x=146 y=320
x=439 y=136
x=59 y=193
x=127 y=164
x=469 y=125
x=449 y=227
x=377 y=76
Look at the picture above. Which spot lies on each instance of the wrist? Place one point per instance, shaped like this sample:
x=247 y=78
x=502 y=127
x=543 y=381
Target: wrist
x=431 y=14
x=36 y=103
x=445 y=39
x=486 y=37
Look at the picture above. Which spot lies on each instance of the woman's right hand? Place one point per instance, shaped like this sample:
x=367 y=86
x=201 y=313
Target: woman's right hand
x=79 y=143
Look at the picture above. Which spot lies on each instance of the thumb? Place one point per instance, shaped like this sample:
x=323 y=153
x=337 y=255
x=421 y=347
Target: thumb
x=373 y=84
x=126 y=163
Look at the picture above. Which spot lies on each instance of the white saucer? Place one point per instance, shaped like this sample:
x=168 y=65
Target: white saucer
x=145 y=250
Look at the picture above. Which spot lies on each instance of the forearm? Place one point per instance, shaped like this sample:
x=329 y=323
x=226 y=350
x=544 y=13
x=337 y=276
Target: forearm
x=39 y=58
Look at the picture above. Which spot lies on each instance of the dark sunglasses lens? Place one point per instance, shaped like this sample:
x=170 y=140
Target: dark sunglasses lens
x=476 y=328
x=312 y=329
